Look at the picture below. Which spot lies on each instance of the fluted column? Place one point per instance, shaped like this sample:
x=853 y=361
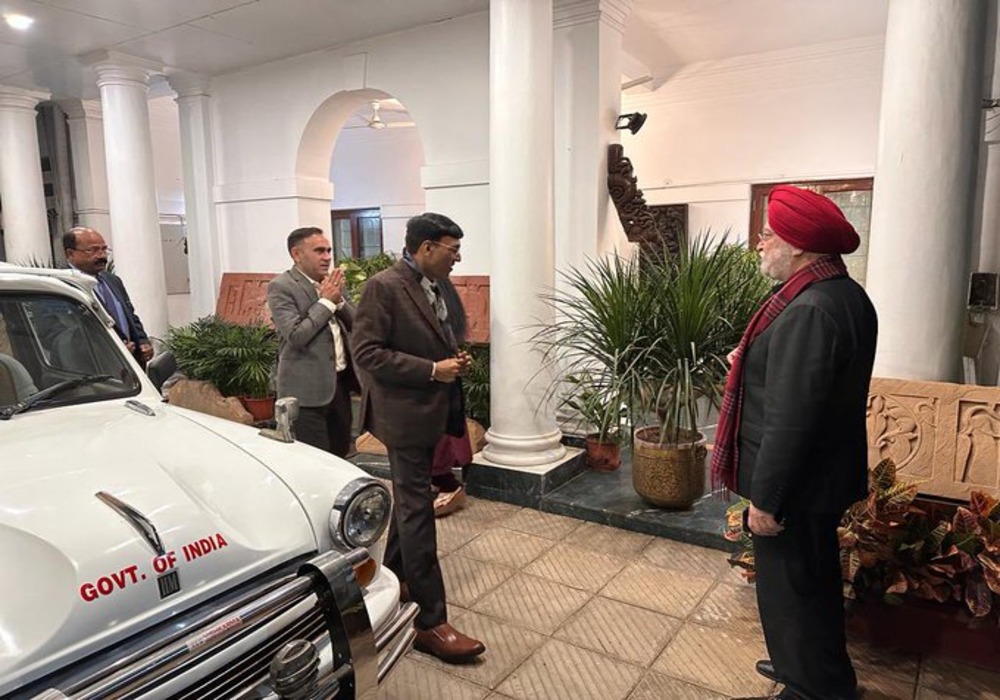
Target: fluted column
x=587 y=64
x=128 y=148
x=523 y=431
x=918 y=260
x=25 y=222
x=90 y=172
x=199 y=182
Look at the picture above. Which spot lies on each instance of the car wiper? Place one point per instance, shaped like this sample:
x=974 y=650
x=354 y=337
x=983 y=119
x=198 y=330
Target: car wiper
x=62 y=387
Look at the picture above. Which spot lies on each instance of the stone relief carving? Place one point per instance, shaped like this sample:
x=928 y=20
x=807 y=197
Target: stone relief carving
x=897 y=426
x=945 y=436
x=977 y=454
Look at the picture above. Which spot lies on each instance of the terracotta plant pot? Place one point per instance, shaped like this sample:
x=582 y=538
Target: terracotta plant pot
x=666 y=475
x=260 y=409
x=603 y=456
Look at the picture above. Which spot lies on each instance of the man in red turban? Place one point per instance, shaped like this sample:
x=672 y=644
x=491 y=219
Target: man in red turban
x=791 y=438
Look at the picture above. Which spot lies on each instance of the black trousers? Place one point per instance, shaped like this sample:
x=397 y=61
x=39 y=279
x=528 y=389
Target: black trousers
x=801 y=601
x=411 y=550
x=328 y=427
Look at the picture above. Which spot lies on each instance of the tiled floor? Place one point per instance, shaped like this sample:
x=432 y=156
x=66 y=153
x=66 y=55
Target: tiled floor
x=573 y=610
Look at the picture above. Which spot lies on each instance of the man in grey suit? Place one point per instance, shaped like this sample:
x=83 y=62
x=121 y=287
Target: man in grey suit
x=313 y=319
x=409 y=365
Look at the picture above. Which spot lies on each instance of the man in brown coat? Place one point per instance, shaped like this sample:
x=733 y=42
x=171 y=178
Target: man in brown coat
x=409 y=365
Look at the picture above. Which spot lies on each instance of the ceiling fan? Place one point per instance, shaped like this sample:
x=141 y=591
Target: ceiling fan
x=375 y=121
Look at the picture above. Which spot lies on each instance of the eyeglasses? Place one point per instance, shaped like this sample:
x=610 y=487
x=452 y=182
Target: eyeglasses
x=93 y=250
x=455 y=249
x=766 y=234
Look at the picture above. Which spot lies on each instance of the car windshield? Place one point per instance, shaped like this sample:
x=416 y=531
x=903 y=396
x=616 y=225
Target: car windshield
x=48 y=340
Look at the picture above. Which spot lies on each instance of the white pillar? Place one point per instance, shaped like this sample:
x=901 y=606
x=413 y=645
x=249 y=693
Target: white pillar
x=90 y=173
x=986 y=247
x=587 y=62
x=199 y=182
x=523 y=431
x=25 y=221
x=924 y=185
x=128 y=147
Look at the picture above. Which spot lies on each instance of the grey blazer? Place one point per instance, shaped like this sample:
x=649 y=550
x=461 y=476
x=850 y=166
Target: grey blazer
x=306 y=363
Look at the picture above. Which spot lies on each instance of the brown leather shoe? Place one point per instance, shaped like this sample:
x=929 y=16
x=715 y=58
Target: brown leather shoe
x=447 y=502
x=448 y=644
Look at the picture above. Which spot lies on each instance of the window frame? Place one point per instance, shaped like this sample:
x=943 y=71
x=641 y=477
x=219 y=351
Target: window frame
x=759 y=192
x=354 y=216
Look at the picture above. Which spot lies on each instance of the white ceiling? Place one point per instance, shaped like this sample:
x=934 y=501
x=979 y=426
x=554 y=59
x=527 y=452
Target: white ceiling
x=202 y=36
x=217 y=36
x=663 y=35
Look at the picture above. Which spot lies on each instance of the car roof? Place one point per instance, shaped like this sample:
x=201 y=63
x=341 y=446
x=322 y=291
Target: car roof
x=66 y=282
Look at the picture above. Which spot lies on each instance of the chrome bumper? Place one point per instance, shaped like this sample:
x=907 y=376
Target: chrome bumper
x=396 y=638
x=233 y=652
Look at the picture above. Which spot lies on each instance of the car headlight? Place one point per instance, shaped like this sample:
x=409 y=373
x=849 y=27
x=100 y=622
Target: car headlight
x=361 y=513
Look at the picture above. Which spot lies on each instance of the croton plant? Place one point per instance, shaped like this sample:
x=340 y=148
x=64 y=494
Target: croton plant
x=890 y=545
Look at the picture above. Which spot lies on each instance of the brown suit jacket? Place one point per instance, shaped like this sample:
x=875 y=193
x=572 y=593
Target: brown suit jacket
x=396 y=339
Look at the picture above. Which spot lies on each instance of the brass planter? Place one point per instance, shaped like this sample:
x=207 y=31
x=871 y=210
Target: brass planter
x=668 y=475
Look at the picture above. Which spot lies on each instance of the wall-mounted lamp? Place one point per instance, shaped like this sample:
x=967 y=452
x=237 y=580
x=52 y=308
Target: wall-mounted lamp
x=633 y=122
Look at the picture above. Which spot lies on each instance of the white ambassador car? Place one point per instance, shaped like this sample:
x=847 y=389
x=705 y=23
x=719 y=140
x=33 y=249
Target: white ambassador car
x=149 y=551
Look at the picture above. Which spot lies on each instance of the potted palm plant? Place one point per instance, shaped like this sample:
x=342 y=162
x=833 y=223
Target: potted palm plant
x=702 y=299
x=599 y=404
x=594 y=344
x=655 y=329
x=236 y=358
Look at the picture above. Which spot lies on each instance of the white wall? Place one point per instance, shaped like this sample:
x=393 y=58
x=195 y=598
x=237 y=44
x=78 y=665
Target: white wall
x=440 y=72
x=380 y=169
x=716 y=128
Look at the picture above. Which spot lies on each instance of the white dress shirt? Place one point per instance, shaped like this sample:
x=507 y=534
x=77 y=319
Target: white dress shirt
x=338 y=336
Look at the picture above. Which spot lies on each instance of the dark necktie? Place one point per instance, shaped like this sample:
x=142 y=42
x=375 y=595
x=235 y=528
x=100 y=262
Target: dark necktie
x=113 y=307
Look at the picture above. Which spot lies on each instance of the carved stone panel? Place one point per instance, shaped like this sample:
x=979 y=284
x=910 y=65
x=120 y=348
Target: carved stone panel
x=474 y=291
x=243 y=297
x=946 y=436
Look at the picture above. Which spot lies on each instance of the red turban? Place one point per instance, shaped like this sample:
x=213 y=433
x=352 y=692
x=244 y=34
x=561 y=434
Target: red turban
x=810 y=221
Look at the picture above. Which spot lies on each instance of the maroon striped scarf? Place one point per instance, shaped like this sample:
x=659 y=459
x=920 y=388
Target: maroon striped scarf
x=725 y=453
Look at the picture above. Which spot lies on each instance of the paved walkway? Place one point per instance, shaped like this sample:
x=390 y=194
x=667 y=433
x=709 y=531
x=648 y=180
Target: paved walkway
x=577 y=611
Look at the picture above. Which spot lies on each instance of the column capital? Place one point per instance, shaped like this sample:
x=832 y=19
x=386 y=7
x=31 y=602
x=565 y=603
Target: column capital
x=14 y=99
x=189 y=85
x=82 y=109
x=115 y=68
x=614 y=13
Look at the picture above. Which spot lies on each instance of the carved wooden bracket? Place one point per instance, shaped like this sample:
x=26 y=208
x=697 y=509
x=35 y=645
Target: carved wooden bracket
x=651 y=227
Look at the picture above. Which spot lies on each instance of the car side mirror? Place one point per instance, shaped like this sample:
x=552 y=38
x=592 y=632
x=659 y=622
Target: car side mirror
x=286 y=410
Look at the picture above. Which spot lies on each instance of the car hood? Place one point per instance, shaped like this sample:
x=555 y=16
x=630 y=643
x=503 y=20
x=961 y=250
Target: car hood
x=77 y=574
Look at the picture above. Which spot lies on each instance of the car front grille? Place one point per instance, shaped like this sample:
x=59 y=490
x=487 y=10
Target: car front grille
x=227 y=651
x=251 y=669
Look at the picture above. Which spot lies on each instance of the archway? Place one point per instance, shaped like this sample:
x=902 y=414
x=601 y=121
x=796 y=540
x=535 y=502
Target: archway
x=364 y=143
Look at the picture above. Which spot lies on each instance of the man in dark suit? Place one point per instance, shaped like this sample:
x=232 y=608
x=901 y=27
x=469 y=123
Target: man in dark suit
x=87 y=252
x=792 y=438
x=313 y=319
x=409 y=365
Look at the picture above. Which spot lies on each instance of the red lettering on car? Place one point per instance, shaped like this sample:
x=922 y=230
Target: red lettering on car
x=106 y=585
